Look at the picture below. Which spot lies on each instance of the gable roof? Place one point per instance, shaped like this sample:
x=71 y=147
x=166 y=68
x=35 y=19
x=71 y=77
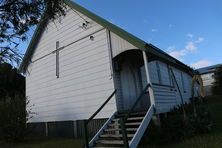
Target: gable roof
x=142 y=45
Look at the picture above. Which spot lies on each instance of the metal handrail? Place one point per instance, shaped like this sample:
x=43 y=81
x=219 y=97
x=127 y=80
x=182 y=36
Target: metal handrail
x=90 y=118
x=124 y=119
x=137 y=101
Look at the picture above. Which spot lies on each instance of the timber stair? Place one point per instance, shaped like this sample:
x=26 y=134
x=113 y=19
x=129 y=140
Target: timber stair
x=112 y=137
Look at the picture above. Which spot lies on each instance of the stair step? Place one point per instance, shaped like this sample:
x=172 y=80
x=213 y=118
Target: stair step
x=132 y=114
x=130 y=119
x=127 y=124
x=113 y=142
x=115 y=135
x=106 y=147
x=119 y=129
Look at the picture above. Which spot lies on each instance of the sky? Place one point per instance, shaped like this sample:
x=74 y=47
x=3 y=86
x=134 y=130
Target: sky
x=189 y=30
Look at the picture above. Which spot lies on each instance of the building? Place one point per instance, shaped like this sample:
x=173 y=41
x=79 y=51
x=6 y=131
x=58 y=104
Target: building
x=75 y=63
x=207 y=75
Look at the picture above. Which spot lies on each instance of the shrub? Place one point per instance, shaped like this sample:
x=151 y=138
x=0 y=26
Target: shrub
x=175 y=128
x=13 y=118
x=217 y=85
x=13 y=115
x=200 y=123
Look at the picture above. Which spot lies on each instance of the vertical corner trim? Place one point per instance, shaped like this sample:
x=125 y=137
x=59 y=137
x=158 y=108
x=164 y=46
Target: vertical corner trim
x=57 y=59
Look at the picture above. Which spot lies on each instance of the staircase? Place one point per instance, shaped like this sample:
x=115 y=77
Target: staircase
x=121 y=129
x=111 y=135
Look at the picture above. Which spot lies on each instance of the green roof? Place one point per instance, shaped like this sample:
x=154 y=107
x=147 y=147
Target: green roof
x=113 y=28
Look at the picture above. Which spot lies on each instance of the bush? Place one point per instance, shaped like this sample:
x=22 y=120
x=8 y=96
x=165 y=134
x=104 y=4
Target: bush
x=13 y=115
x=13 y=118
x=175 y=128
x=200 y=123
x=217 y=85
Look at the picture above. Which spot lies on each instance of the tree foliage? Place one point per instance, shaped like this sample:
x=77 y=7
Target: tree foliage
x=13 y=114
x=11 y=82
x=17 y=17
x=217 y=86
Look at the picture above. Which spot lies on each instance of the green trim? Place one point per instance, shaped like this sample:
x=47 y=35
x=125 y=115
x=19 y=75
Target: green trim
x=113 y=28
x=32 y=45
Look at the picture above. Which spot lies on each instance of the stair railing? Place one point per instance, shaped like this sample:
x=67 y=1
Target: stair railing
x=124 y=118
x=86 y=122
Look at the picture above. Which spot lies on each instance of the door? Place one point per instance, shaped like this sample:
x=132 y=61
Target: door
x=129 y=85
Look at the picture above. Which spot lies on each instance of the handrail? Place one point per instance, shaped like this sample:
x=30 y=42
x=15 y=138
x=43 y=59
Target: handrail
x=142 y=127
x=124 y=119
x=90 y=118
x=137 y=101
x=101 y=107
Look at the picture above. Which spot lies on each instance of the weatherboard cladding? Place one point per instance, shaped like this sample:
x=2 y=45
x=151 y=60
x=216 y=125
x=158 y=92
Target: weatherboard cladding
x=84 y=67
x=140 y=44
x=85 y=75
x=166 y=94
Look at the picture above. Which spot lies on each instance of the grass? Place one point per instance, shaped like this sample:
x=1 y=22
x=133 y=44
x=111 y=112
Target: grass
x=212 y=140
x=45 y=143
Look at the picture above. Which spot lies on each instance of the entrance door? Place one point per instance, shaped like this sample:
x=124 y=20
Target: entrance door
x=130 y=84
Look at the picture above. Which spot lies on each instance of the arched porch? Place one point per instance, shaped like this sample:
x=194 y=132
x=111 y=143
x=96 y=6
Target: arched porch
x=131 y=77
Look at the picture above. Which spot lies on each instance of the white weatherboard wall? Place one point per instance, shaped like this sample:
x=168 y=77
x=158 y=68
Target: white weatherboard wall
x=166 y=93
x=120 y=45
x=84 y=81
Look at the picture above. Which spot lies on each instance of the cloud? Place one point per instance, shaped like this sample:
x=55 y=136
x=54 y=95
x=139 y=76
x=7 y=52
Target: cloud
x=178 y=54
x=199 y=40
x=200 y=64
x=190 y=47
x=171 y=48
x=154 y=30
x=190 y=35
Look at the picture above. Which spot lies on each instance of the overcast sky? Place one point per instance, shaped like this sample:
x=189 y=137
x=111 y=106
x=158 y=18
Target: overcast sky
x=189 y=30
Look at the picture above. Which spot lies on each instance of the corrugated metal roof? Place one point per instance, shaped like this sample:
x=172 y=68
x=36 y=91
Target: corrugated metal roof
x=208 y=69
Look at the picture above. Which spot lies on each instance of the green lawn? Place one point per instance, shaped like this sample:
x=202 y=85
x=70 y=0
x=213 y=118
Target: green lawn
x=212 y=140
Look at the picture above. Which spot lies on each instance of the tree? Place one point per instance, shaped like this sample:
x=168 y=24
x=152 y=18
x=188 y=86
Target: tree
x=217 y=86
x=13 y=114
x=16 y=19
x=11 y=82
